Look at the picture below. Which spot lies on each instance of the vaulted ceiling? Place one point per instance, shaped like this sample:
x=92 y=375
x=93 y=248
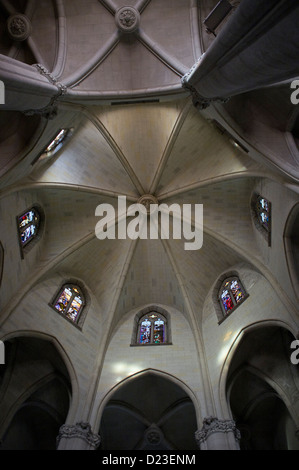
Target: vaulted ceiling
x=156 y=144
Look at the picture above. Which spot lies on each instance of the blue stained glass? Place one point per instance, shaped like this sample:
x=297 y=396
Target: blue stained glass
x=237 y=291
x=69 y=303
x=26 y=219
x=28 y=233
x=152 y=330
x=145 y=332
x=28 y=226
x=159 y=331
x=63 y=300
x=264 y=203
x=74 y=309
x=263 y=212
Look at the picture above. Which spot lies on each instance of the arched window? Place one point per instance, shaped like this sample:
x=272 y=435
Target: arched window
x=263 y=212
x=152 y=329
x=69 y=302
x=262 y=215
x=28 y=226
x=231 y=294
x=55 y=144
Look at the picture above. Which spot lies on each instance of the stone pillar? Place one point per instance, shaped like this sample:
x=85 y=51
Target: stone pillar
x=77 y=437
x=258 y=47
x=29 y=88
x=218 y=434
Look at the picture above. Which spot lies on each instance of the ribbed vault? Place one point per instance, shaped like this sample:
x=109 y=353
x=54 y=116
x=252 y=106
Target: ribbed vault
x=166 y=148
x=135 y=133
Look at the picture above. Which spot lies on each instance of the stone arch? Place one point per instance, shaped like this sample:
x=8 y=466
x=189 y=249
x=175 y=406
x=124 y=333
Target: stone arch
x=185 y=395
x=231 y=352
x=261 y=385
x=291 y=246
x=64 y=375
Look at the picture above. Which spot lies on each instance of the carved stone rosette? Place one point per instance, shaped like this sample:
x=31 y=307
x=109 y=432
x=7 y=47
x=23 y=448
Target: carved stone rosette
x=19 y=27
x=213 y=425
x=147 y=200
x=127 y=19
x=79 y=431
x=153 y=435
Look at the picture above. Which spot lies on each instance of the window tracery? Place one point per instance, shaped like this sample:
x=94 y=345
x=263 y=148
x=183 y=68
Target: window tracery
x=151 y=327
x=28 y=226
x=231 y=294
x=262 y=215
x=69 y=302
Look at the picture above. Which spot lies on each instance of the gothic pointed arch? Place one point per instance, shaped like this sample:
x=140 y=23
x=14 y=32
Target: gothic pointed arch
x=291 y=245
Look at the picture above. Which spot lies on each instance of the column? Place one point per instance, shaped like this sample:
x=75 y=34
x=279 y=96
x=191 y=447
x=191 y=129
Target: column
x=77 y=437
x=217 y=434
x=258 y=47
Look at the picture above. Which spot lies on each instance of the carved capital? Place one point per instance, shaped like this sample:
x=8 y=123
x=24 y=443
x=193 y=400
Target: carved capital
x=199 y=101
x=80 y=431
x=213 y=425
x=50 y=111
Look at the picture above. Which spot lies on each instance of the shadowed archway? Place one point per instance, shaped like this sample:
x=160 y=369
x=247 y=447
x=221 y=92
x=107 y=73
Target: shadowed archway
x=149 y=412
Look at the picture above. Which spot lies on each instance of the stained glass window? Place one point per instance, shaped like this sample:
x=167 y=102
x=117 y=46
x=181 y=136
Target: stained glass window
x=232 y=293
x=55 y=144
x=152 y=329
x=263 y=212
x=262 y=216
x=69 y=302
x=28 y=224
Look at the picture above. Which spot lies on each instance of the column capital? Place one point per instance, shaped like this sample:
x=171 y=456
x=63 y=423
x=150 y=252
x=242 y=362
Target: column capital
x=212 y=425
x=50 y=111
x=81 y=431
x=199 y=101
